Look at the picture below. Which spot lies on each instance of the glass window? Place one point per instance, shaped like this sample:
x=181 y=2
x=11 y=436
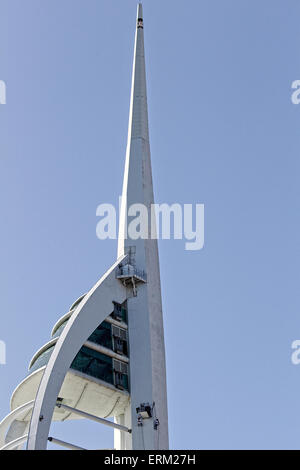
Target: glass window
x=42 y=360
x=120 y=312
x=121 y=381
x=102 y=335
x=120 y=346
x=60 y=329
x=93 y=363
x=89 y=362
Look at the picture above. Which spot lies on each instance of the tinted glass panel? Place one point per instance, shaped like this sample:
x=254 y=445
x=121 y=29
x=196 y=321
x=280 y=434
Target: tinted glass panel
x=60 y=329
x=120 y=312
x=89 y=362
x=121 y=381
x=102 y=335
x=42 y=360
x=94 y=363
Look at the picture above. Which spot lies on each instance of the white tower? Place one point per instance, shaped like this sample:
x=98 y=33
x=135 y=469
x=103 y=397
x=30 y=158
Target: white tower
x=106 y=357
x=145 y=323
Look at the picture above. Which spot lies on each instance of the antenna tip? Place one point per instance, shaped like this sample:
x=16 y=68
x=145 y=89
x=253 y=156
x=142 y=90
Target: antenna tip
x=140 y=11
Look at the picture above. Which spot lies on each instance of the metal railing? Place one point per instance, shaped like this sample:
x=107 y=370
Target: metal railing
x=127 y=271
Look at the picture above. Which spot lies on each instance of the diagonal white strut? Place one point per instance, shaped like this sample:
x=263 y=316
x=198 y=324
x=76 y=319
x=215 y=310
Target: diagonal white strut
x=94 y=418
x=65 y=444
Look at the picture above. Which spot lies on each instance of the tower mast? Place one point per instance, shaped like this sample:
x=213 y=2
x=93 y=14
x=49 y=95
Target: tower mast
x=145 y=321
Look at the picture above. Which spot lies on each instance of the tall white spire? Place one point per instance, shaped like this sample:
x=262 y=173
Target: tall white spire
x=137 y=185
x=138 y=124
x=145 y=322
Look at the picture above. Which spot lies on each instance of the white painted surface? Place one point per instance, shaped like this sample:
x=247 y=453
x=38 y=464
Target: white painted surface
x=145 y=322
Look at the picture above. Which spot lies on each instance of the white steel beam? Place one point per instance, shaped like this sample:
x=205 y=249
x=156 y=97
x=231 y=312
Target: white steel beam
x=94 y=418
x=67 y=445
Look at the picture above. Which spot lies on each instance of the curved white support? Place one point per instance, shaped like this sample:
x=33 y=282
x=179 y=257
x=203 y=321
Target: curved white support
x=10 y=418
x=17 y=442
x=87 y=316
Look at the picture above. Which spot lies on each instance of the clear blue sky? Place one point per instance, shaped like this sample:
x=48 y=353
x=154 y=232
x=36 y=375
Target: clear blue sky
x=224 y=133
